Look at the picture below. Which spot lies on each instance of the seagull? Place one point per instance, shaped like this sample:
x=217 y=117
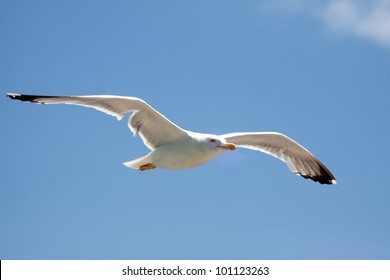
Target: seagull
x=175 y=148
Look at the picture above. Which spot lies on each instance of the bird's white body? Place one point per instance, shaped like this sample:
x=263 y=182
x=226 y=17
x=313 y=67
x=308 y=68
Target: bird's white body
x=187 y=153
x=175 y=148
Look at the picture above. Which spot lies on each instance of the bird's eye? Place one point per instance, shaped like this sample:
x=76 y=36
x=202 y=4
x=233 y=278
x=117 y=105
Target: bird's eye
x=212 y=140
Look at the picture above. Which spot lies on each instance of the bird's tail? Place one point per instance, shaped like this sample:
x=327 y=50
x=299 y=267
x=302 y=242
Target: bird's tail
x=137 y=163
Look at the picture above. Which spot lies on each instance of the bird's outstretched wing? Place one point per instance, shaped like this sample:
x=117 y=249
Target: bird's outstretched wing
x=154 y=128
x=298 y=159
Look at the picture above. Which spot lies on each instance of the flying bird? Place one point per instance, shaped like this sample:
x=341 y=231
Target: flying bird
x=175 y=148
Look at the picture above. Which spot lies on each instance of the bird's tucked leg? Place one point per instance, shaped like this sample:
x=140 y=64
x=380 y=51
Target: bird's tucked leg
x=148 y=166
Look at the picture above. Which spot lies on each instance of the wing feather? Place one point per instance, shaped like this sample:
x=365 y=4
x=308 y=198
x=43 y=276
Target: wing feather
x=154 y=128
x=298 y=159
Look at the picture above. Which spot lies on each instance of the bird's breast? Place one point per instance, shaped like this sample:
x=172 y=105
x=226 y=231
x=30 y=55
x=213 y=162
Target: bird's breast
x=181 y=155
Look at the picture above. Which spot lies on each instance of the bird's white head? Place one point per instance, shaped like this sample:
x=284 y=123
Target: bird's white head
x=215 y=142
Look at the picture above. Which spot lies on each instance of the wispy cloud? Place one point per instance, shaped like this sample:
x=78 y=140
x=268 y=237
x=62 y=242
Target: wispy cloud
x=369 y=19
x=363 y=18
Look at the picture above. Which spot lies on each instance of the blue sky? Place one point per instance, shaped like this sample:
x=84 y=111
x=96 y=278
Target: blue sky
x=316 y=72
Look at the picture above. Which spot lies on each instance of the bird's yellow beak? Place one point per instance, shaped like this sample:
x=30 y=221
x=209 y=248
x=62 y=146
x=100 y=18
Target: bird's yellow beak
x=228 y=146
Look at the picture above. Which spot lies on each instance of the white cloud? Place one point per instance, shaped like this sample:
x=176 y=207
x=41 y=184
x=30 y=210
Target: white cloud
x=368 y=19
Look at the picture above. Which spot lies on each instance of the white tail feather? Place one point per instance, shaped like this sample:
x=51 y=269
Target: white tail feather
x=137 y=163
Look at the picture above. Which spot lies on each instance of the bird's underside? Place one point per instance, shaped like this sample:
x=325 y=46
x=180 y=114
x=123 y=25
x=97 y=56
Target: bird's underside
x=175 y=148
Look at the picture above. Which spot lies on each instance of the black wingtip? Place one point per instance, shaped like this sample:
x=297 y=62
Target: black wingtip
x=22 y=97
x=322 y=179
x=13 y=95
x=325 y=176
x=29 y=98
